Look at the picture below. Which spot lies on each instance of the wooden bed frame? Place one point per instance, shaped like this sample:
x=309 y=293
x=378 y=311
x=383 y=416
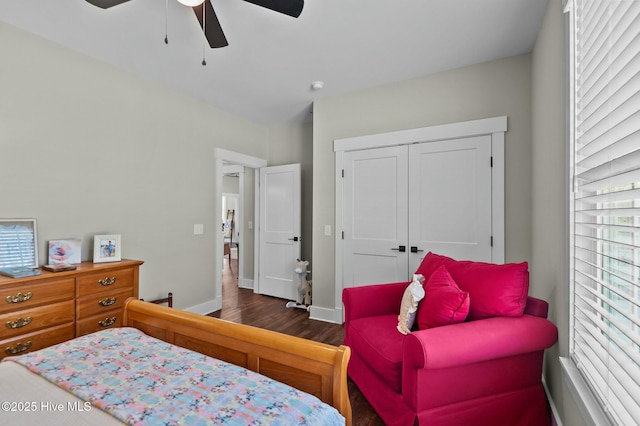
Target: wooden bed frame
x=313 y=367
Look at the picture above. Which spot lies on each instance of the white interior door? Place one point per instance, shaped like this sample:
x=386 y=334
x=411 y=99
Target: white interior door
x=450 y=199
x=279 y=231
x=375 y=216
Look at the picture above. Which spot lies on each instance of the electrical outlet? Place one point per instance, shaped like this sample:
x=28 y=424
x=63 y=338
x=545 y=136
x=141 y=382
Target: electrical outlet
x=198 y=229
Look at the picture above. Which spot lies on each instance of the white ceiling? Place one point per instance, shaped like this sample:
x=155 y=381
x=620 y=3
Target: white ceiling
x=265 y=73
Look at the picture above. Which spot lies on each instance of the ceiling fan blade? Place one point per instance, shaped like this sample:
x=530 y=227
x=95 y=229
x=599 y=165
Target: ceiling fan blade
x=106 y=4
x=288 y=7
x=212 y=29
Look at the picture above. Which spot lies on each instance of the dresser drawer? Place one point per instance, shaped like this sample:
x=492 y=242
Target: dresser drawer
x=99 y=322
x=15 y=298
x=38 y=340
x=29 y=320
x=102 y=302
x=105 y=281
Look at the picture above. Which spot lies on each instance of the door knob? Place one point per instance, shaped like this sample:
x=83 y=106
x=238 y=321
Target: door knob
x=295 y=239
x=414 y=249
x=401 y=249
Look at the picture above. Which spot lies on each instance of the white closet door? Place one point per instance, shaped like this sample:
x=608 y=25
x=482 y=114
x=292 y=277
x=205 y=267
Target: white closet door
x=450 y=199
x=375 y=216
x=279 y=230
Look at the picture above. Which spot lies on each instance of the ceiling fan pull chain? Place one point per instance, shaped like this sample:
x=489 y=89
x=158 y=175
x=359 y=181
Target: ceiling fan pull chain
x=166 y=22
x=204 y=30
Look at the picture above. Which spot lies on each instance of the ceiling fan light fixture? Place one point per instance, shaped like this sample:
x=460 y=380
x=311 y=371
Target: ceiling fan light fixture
x=191 y=3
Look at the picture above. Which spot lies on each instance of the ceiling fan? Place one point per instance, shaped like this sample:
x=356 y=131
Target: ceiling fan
x=212 y=30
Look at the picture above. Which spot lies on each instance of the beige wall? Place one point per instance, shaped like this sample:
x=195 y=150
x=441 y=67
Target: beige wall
x=549 y=266
x=491 y=89
x=87 y=149
x=294 y=144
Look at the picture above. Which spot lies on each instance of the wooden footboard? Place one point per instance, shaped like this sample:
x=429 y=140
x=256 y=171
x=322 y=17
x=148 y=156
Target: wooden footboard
x=313 y=367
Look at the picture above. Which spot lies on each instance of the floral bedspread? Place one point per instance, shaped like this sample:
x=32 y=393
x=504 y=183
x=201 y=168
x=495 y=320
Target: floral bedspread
x=142 y=380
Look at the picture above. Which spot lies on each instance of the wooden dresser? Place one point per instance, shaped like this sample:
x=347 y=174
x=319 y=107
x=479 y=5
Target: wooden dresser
x=40 y=311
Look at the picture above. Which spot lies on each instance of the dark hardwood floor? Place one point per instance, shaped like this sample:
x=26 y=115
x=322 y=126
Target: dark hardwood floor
x=245 y=307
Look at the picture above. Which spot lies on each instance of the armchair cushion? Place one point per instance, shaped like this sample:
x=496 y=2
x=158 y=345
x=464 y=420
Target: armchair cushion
x=377 y=340
x=444 y=302
x=494 y=290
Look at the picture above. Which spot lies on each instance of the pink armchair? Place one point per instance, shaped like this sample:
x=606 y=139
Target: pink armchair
x=484 y=371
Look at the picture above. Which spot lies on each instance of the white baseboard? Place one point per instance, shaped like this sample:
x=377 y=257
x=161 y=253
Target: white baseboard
x=245 y=283
x=206 y=307
x=555 y=420
x=325 y=314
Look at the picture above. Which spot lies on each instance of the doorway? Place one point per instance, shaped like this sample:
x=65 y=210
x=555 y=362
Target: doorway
x=232 y=193
x=230 y=163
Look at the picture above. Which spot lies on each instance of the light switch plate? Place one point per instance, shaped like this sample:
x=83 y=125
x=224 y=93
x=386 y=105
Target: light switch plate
x=198 y=229
x=327 y=230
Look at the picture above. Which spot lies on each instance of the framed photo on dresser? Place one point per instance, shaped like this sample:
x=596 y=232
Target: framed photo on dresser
x=65 y=251
x=107 y=248
x=18 y=248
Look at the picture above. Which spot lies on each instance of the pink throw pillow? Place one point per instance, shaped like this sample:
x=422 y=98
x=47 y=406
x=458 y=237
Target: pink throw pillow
x=444 y=303
x=496 y=290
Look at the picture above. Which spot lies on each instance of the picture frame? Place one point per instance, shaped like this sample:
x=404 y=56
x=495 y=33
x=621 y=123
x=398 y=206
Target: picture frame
x=18 y=243
x=107 y=248
x=65 y=251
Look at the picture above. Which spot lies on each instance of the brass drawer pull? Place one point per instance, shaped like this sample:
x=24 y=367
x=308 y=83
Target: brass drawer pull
x=107 y=322
x=20 y=347
x=20 y=322
x=107 y=281
x=108 y=301
x=19 y=298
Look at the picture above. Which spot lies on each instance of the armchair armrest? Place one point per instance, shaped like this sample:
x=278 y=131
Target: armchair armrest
x=372 y=300
x=537 y=307
x=477 y=341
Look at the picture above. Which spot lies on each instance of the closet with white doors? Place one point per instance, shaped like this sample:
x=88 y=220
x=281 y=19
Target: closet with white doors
x=400 y=195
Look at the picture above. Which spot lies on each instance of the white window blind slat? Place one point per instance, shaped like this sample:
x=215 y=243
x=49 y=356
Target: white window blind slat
x=613 y=369
x=631 y=268
x=585 y=242
x=594 y=155
x=611 y=181
x=605 y=202
x=608 y=60
x=630 y=195
x=610 y=213
x=591 y=27
x=625 y=328
x=612 y=128
x=609 y=39
x=617 y=101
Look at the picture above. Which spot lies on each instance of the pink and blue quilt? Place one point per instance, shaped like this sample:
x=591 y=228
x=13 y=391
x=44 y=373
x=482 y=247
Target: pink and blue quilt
x=142 y=380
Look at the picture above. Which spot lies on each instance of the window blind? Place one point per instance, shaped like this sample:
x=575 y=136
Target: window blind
x=605 y=204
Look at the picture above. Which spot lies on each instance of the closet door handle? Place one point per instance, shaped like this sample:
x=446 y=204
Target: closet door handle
x=414 y=249
x=401 y=249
